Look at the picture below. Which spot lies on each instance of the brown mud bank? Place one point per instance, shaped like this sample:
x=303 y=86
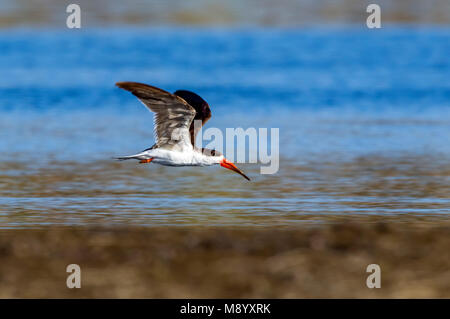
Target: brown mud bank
x=180 y=262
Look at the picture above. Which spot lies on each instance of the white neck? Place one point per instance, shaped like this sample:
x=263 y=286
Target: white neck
x=206 y=160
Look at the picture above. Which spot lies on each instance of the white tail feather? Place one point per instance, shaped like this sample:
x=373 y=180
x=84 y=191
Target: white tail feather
x=140 y=156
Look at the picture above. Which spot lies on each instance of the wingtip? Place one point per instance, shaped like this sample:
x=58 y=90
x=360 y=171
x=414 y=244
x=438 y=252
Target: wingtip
x=130 y=86
x=134 y=87
x=123 y=85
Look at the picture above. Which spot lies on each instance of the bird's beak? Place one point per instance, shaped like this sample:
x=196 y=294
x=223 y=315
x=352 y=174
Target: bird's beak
x=227 y=164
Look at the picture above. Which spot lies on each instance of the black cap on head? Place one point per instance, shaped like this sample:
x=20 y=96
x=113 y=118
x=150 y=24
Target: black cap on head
x=209 y=152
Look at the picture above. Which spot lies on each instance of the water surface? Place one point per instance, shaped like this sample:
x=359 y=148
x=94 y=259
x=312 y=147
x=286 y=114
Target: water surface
x=364 y=120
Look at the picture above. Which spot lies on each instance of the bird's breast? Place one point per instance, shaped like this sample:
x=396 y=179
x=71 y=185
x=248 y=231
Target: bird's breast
x=177 y=158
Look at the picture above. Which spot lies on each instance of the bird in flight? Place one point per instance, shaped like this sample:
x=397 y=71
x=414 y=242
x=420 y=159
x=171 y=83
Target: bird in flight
x=175 y=130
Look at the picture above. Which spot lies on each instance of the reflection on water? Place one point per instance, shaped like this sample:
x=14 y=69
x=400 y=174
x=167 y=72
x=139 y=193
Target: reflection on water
x=364 y=130
x=71 y=193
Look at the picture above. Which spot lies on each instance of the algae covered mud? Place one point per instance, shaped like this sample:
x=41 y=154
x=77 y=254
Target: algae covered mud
x=162 y=262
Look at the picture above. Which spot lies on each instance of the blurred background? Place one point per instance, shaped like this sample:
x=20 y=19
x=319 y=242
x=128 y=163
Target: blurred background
x=101 y=13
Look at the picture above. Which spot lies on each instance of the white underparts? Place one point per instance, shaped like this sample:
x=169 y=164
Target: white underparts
x=177 y=158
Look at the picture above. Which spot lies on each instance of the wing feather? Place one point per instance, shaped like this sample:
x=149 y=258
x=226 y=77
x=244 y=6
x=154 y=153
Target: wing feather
x=202 y=110
x=173 y=115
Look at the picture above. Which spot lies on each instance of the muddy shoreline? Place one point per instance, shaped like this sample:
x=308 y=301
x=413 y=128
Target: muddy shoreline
x=326 y=261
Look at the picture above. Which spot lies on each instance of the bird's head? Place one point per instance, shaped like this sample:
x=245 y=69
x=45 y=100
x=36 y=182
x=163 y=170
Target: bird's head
x=218 y=158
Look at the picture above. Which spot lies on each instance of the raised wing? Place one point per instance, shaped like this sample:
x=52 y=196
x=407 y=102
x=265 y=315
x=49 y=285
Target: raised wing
x=202 y=112
x=173 y=115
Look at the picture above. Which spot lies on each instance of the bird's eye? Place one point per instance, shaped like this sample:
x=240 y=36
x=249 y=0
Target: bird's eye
x=213 y=152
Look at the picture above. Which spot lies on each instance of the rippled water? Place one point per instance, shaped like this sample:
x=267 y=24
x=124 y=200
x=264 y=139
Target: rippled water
x=364 y=121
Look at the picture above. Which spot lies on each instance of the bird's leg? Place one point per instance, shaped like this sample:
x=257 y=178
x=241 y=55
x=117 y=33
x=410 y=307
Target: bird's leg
x=144 y=161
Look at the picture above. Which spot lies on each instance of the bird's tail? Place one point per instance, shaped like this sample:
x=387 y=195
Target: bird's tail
x=124 y=158
x=141 y=156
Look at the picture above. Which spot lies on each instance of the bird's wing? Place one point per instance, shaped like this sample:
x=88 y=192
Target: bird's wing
x=202 y=111
x=203 y=114
x=173 y=115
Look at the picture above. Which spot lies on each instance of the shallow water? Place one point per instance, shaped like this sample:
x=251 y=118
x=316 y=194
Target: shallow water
x=364 y=121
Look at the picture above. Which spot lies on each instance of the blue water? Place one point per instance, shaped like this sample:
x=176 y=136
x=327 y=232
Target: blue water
x=315 y=69
x=364 y=119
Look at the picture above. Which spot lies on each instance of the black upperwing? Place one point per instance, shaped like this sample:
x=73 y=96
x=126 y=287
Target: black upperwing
x=203 y=112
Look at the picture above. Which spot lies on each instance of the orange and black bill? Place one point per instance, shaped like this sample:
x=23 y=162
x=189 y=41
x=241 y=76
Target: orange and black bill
x=227 y=164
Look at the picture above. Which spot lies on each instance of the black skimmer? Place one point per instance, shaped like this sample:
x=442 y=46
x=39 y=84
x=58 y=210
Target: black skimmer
x=174 y=129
